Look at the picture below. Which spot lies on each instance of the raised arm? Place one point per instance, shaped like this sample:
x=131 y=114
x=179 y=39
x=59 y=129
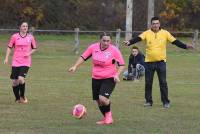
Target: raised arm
x=178 y=43
x=132 y=41
x=182 y=45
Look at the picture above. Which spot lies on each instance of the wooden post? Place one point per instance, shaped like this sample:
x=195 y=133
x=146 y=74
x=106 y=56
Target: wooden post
x=32 y=30
x=129 y=19
x=195 y=39
x=150 y=12
x=118 y=35
x=77 y=42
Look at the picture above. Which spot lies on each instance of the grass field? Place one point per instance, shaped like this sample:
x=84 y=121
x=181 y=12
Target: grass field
x=52 y=92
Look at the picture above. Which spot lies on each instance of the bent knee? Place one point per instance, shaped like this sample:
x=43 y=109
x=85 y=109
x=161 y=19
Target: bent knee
x=21 y=80
x=15 y=83
x=103 y=100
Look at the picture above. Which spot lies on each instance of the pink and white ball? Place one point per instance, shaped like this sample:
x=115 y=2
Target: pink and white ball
x=79 y=111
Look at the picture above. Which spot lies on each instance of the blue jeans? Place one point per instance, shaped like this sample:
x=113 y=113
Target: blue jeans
x=136 y=72
x=160 y=68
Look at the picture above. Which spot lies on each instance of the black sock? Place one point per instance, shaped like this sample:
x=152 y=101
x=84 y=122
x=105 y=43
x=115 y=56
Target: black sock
x=101 y=108
x=16 y=92
x=22 y=89
x=104 y=109
x=107 y=108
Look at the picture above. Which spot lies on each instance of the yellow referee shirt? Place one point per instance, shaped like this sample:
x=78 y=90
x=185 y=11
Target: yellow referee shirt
x=156 y=44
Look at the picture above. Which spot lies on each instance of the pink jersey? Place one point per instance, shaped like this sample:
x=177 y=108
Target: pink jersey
x=22 y=46
x=104 y=61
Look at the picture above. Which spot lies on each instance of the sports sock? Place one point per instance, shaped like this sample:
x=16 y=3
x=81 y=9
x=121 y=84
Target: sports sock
x=104 y=109
x=107 y=108
x=22 y=89
x=16 y=92
x=101 y=108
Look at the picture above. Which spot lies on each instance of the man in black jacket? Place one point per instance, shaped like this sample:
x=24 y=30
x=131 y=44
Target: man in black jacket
x=136 y=66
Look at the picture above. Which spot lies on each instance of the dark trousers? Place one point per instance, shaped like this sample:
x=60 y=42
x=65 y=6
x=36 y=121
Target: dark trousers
x=160 y=68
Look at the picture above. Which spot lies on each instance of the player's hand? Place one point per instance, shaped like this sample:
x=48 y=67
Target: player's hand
x=116 y=78
x=126 y=43
x=72 y=69
x=190 y=46
x=5 y=61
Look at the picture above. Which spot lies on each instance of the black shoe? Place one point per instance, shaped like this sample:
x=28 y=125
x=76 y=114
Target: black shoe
x=166 y=105
x=147 y=104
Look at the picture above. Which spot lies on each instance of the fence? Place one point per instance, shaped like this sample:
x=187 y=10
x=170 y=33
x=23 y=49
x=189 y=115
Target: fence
x=118 y=34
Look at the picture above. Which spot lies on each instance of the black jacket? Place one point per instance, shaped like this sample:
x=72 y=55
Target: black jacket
x=133 y=60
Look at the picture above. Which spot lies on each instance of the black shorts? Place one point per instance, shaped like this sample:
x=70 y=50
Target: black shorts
x=103 y=87
x=19 y=71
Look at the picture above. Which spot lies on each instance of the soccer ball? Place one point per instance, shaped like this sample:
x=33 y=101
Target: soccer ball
x=79 y=111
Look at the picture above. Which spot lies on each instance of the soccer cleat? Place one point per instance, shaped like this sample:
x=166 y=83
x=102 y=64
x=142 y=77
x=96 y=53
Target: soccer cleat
x=166 y=105
x=147 y=104
x=101 y=122
x=23 y=99
x=18 y=101
x=108 y=118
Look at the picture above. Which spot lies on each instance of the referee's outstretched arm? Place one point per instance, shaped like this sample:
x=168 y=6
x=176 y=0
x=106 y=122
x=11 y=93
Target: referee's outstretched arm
x=182 y=45
x=132 y=41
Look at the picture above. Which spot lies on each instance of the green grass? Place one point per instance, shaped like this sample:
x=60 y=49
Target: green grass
x=52 y=92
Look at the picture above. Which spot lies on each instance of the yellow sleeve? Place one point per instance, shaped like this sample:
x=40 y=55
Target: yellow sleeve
x=143 y=35
x=170 y=38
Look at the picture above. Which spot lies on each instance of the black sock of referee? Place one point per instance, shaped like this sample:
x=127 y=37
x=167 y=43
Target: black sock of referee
x=16 y=92
x=22 y=89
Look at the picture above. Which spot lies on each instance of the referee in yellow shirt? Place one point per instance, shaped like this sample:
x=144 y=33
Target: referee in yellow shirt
x=155 y=59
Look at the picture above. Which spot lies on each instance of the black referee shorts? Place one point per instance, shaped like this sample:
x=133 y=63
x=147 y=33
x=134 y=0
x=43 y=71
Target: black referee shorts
x=19 y=71
x=103 y=87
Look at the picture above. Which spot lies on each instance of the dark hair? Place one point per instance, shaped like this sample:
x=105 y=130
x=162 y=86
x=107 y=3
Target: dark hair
x=134 y=47
x=105 y=34
x=21 y=22
x=155 y=18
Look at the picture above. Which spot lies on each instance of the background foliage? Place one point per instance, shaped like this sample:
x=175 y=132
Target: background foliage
x=97 y=14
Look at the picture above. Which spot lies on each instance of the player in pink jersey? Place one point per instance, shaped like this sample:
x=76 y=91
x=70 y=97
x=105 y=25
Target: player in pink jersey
x=105 y=59
x=24 y=46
